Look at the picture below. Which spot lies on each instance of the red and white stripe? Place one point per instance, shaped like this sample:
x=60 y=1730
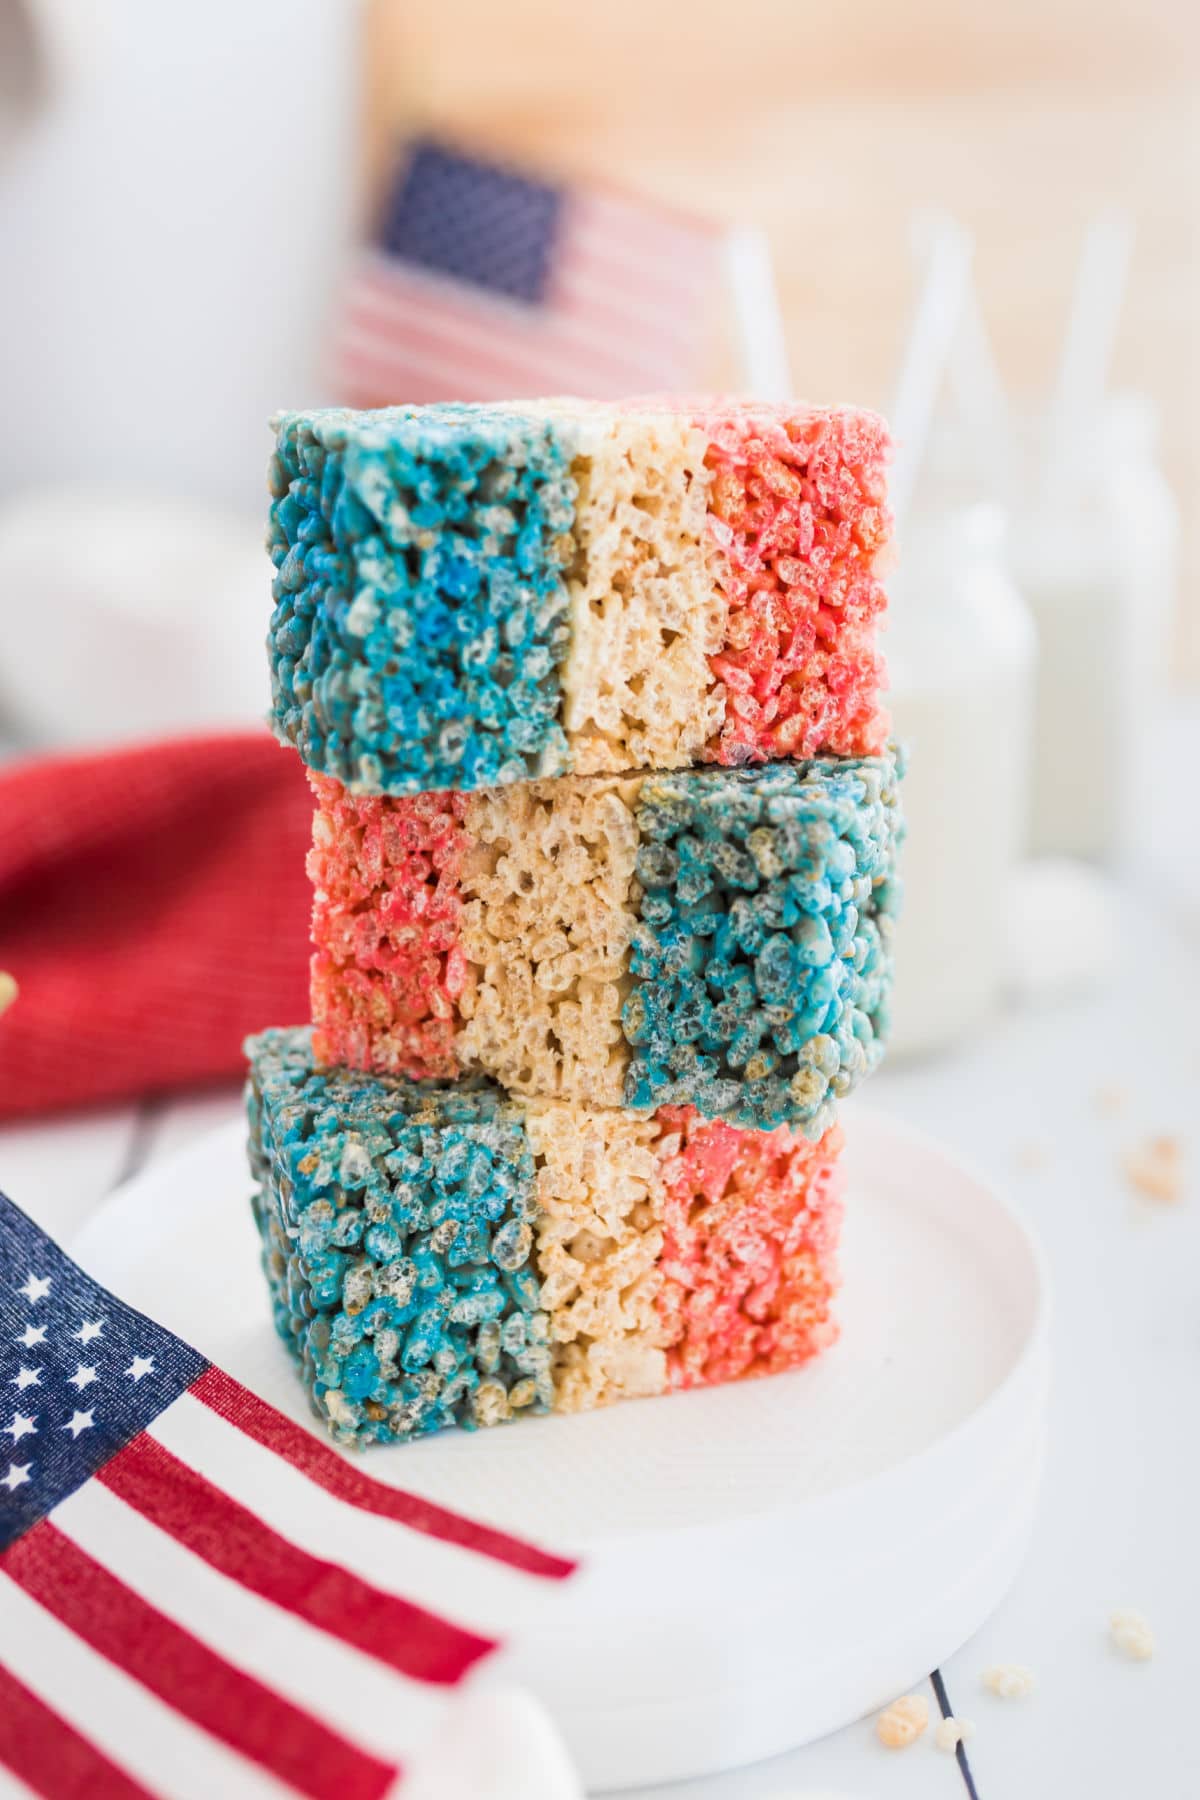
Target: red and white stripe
x=626 y=311
x=230 y=1607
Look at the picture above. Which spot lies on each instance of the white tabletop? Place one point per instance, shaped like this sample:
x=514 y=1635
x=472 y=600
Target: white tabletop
x=1118 y=1518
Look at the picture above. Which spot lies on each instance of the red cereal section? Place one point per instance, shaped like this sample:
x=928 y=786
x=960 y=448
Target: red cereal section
x=749 y=1258
x=798 y=517
x=388 y=967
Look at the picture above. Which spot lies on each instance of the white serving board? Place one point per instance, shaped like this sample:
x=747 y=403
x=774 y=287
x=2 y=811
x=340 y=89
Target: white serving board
x=762 y=1563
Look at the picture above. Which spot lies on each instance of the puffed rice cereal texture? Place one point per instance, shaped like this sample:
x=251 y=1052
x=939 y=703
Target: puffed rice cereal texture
x=1131 y=1634
x=468 y=596
x=710 y=938
x=441 y=1254
x=902 y=1723
x=1009 y=1681
x=952 y=1732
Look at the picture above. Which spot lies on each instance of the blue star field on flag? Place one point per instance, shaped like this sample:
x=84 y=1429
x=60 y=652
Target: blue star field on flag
x=81 y=1374
x=474 y=221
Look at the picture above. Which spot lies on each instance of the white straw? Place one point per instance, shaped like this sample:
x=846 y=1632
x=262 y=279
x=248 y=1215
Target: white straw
x=982 y=401
x=975 y=376
x=1087 y=348
x=766 y=370
x=935 y=323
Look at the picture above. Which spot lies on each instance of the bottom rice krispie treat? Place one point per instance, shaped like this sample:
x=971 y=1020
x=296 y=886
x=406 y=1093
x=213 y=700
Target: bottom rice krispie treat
x=444 y=1254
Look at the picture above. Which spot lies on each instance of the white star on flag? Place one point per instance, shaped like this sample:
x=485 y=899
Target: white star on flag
x=32 y=1336
x=141 y=1365
x=21 y=1427
x=36 y=1288
x=79 y=1421
x=18 y=1475
x=83 y=1377
x=91 y=1328
x=27 y=1378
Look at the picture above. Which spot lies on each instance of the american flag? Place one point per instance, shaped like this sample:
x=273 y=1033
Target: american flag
x=486 y=284
x=199 y=1597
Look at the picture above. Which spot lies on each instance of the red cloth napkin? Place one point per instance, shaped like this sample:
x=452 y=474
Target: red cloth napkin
x=153 y=910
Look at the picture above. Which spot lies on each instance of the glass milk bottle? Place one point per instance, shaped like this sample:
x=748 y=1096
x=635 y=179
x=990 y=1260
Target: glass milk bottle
x=961 y=653
x=1097 y=560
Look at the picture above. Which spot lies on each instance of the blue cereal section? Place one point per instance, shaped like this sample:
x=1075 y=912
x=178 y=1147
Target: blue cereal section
x=762 y=959
x=397 y=1231
x=420 y=610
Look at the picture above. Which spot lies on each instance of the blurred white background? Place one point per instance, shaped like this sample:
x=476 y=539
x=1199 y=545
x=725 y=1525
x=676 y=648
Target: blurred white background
x=983 y=222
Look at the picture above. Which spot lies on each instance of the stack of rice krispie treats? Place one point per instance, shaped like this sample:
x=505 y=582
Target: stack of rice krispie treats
x=604 y=882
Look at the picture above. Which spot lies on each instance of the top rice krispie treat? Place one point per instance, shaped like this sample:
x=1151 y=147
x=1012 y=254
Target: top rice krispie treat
x=467 y=596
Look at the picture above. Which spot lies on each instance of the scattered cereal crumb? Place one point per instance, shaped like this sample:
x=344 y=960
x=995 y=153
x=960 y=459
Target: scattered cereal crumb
x=902 y=1723
x=1034 y=1155
x=1156 y=1168
x=952 y=1732
x=8 y=990
x=1111 y=1099
x=1131 y=1634
x=1012 y=1681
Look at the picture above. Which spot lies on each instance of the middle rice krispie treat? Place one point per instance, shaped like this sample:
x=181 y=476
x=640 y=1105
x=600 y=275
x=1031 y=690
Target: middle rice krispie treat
x=445 y=1254
x=712 y=938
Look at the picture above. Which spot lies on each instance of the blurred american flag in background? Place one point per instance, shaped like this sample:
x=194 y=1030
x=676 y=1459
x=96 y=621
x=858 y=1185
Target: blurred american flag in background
x=486 y=284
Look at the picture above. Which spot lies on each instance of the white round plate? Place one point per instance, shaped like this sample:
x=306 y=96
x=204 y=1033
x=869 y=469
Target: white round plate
x=763 y=1562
